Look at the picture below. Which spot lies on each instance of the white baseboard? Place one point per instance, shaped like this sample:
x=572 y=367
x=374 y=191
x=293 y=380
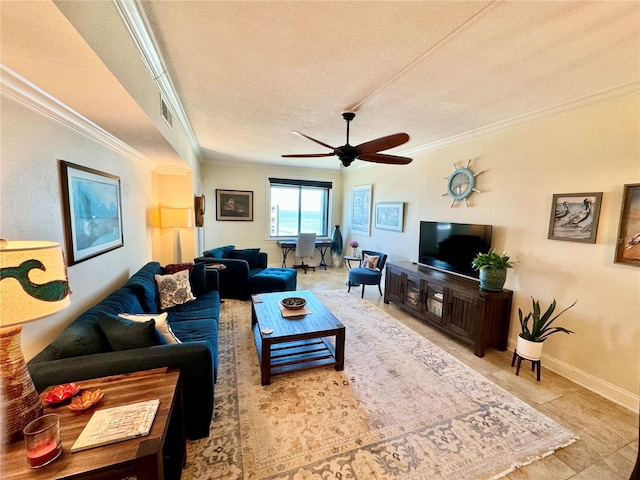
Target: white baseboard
x=588 y=381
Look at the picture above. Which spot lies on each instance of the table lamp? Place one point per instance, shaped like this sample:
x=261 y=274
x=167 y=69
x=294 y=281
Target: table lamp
x=176 y=218
x=33 y=285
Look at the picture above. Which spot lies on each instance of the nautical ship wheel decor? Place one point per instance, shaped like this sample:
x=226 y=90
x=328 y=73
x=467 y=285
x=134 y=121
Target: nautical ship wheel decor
x=461 y=184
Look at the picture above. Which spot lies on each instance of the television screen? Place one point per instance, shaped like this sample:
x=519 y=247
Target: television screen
x=453 y=246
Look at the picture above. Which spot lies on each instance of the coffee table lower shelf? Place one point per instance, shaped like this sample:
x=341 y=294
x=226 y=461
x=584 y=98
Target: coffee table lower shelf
x=278 y=358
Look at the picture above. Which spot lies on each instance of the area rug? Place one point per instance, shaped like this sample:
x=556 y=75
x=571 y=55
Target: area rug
x=402 y=409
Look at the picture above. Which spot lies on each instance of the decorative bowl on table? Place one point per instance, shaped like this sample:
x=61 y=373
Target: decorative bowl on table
x=293 y=303
x=85 y=400
x=61 y=393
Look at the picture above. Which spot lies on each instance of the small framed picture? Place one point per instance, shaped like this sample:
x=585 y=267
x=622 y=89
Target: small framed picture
x=235 y=205
x=574 y=217
x=390 y=216
x=92 y=212
x=628 y=246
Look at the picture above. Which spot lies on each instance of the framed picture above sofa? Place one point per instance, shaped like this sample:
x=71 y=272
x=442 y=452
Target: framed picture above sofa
x=234 y=205
x=91 y=203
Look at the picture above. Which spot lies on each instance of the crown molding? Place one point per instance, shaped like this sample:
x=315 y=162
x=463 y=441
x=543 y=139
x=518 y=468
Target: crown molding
x=136 y=22
x=27 y=94
x=622 y=91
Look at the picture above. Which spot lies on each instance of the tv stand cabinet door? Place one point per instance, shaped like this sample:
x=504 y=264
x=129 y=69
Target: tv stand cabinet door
x=394 y=285
x=462 y=314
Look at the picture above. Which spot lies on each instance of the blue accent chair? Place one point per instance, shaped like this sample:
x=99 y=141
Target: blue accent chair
x=367 y=276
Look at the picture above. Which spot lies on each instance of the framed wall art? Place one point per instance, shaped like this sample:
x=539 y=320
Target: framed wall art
x=234 y=205
x=91 y=202
x=628 y=246
x=361 y=210
x=389 y=216
x=574 y=217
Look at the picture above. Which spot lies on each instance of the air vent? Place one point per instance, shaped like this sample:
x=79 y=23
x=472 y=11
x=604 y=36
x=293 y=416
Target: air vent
x=166 y=113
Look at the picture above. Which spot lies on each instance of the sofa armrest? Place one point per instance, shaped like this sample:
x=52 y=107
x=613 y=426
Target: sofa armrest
x=213 y=279
x=262 y=260
x=234 y=280
x=193 y=359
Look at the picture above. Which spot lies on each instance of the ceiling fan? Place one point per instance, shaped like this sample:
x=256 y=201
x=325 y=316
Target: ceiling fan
x=367 y=151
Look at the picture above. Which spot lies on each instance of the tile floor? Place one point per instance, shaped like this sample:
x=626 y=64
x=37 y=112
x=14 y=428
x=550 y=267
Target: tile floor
x=608 y=433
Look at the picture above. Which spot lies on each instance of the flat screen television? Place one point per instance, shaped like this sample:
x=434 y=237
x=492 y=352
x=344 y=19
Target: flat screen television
x=453 y=246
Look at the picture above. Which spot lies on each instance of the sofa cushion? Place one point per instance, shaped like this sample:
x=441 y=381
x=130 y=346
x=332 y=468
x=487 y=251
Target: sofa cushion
x=207 y=307
x=200 y=330
x=143 y=284
x=220 y=252
x=174 y=289
x=248 y=254
x=124 y=334
x=161 y=324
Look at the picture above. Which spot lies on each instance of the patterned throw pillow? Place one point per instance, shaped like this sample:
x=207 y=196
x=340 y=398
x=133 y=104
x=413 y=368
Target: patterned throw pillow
x=161 y=323
x=174 y=289
x=370 y=261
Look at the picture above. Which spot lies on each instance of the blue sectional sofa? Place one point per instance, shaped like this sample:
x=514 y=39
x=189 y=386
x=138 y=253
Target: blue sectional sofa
x=246 y=272
x=84 y=349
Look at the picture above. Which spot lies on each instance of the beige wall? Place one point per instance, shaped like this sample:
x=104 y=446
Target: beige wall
x=594 y=149
x=31 y=146
x=256 y=178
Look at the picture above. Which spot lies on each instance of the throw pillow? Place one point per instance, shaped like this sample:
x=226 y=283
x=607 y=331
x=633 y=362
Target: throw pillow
x=174 y=289
x=220 y=252
x=161 y=323
x=124 y=334
x=251 y=255
x=197 y=275
x=370 y=261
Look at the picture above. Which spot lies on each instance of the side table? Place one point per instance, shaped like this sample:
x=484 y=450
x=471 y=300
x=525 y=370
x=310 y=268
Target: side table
x=218 y=267
x=349 y=258
x=157 y=456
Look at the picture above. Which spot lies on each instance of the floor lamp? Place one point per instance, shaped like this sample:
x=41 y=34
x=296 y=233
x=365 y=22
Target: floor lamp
x=33 y=285
x=176 y=218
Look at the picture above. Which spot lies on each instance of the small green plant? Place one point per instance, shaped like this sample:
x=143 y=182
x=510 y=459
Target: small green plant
x=541 y=327
x=492 y=260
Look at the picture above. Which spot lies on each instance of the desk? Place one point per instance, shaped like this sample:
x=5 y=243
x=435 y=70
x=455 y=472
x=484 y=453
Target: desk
x=158 y=456
x=290 y=245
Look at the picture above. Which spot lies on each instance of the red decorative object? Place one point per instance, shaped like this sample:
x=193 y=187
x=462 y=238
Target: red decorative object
x=61 y=393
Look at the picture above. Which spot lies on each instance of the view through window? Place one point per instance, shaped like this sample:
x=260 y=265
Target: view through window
x=299 y=206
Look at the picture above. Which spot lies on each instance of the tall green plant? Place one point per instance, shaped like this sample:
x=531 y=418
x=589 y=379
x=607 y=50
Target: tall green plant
x=541 y=327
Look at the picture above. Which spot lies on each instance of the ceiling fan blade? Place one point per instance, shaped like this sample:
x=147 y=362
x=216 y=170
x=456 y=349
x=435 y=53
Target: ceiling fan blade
x=382 y=143
x=309 y=155
x=312 y=139
x=382 y=158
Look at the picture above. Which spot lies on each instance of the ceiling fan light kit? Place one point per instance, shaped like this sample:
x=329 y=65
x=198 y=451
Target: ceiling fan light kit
x=368 y=151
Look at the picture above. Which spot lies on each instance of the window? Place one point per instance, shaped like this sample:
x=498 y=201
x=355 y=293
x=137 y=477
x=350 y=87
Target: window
x=299 y=206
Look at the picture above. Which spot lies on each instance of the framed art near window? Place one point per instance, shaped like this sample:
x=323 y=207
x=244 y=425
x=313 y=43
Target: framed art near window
x=361 y=210
x=389 y=216
x=235 y=205
x=91 y=203
x=574 y=217
x=628 y=246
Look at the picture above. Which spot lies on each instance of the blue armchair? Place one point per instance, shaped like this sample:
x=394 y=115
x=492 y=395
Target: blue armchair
x=369 y=272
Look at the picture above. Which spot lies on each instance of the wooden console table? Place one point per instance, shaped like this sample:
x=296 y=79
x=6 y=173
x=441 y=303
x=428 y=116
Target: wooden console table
x=290 y=245
x=452 y=303
x=157 y=456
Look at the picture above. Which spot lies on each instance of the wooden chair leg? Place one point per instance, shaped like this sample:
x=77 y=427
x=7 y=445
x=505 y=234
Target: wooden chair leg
x=362 y=295
x=380 y=289
x=349 y=284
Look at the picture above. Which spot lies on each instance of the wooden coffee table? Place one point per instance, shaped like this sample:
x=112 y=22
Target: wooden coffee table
x=296 y=342
x=157 y=456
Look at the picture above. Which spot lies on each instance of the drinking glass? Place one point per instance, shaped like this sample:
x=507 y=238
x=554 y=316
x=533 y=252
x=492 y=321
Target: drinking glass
x=42 y=440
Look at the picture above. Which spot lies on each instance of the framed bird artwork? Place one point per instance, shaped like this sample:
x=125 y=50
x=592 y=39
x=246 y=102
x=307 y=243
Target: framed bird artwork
x=628 y=245
x=574 y=217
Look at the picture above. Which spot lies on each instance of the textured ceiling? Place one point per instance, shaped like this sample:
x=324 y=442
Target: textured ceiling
x=248 y=73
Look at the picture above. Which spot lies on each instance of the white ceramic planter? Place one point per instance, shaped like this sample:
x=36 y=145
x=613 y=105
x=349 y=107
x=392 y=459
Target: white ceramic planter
x=528 y=349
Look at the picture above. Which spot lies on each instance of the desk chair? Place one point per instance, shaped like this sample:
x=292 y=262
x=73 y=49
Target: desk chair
x=305 y=248
x=368 y=274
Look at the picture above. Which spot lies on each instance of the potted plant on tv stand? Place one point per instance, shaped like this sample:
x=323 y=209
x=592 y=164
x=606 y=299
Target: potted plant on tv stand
x=531 y=338
x=493 y=269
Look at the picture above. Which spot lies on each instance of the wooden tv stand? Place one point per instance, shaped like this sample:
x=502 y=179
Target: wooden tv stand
x=452 y=303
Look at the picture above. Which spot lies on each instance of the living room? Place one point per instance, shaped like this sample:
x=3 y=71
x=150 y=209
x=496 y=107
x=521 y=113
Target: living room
x=590 y=145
